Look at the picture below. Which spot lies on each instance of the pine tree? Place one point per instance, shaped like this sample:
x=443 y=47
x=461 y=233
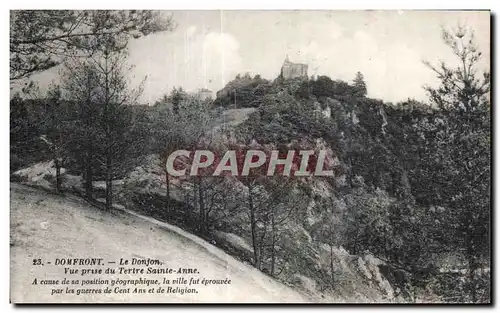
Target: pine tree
x=360 y=85
x=462 y=150
x=108 y=128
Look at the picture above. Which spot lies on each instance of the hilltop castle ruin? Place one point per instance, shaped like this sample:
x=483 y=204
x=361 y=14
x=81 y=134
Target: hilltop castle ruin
x=293 y=70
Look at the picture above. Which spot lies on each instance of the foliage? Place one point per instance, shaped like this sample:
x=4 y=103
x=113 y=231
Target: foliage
x=242 y=92
x=461 y=151
x=41 y=39
x=360 y=85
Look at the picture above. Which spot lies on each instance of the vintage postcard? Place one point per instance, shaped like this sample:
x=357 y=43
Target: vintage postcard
x=250 y=156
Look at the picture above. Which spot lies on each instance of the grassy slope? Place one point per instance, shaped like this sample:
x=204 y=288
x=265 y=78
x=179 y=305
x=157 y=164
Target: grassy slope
x=47 y=226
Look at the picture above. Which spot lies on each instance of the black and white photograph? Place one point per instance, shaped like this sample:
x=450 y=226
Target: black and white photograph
x=250 y=156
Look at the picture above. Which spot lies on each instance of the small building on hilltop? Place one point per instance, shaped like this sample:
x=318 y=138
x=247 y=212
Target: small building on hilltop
x=293 y=70
x=204 y=94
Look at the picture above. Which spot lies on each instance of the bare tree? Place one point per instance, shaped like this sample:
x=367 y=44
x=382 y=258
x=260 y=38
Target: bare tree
x=187 y=126
x=283 y=203
x=332 y=231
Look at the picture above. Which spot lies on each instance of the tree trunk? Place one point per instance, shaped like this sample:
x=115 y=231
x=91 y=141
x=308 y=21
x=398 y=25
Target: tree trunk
x=273 y=244
x=58 y=174
x=355 y=246
x=107 y=121
x=89 y=121
x=472 y=284
x=332 y=268
x=261 y=242
x=109 y=184
x=167 y=181
x=88 y=179
x=201 y=203
x=253 y=227
x=472 y=266
x=89 y=173
x=350 y=173
x=471 y=259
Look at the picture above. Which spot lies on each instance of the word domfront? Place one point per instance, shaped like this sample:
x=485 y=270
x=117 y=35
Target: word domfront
x=254 y=162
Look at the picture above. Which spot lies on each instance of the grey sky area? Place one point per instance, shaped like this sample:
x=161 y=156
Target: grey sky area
x=208 y=48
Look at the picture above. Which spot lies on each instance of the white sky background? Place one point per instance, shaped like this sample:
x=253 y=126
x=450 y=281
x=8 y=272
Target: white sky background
x=208 y=48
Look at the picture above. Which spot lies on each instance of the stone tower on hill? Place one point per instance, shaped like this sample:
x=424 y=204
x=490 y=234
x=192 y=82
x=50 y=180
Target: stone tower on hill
x=293 y=70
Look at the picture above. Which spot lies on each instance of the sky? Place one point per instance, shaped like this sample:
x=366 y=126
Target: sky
x=207 y=49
